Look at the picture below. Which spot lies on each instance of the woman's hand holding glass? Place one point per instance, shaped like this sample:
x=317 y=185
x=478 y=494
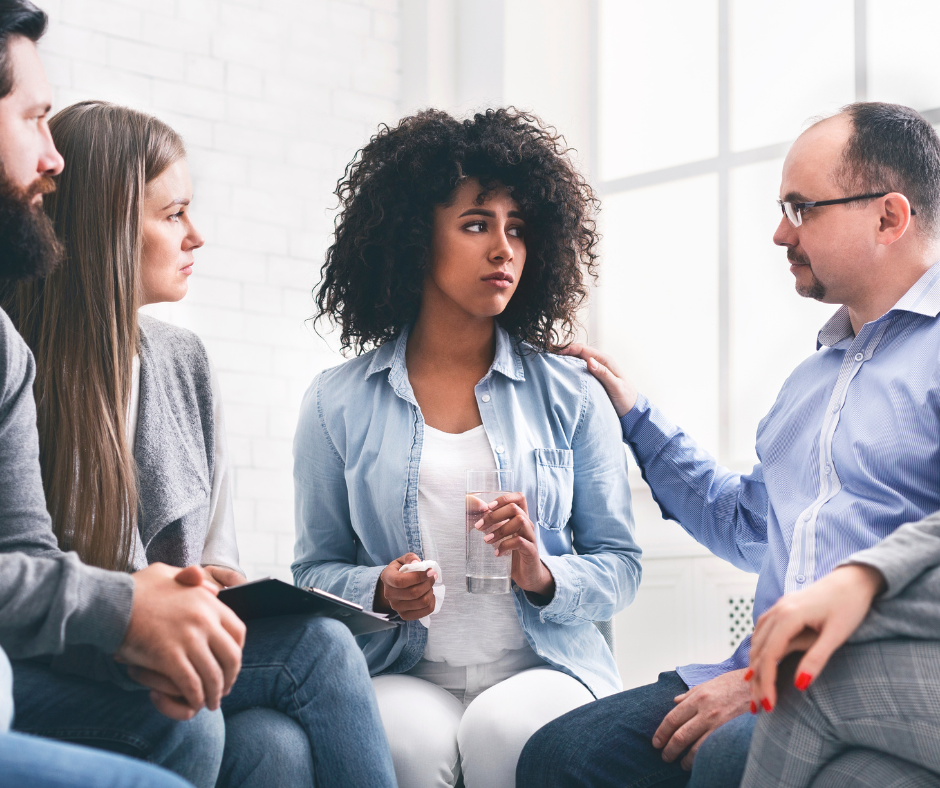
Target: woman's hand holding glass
x=508 y=528
x=407 y=593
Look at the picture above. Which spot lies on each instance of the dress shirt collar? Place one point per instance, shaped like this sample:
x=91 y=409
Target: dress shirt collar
x=922 y=299
x=391 y=356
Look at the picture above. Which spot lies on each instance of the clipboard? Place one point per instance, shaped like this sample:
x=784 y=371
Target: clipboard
x=268 y=597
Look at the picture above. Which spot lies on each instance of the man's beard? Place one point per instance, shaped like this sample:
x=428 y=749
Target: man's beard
x=815 y=289
x=29 y=248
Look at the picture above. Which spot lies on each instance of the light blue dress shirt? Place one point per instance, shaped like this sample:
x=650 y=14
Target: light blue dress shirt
x=849 y=452
x=357 y=453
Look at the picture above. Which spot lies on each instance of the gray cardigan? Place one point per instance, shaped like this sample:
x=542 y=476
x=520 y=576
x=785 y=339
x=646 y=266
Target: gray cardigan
x=50 y=603
x=909 y=559
x=48 y=599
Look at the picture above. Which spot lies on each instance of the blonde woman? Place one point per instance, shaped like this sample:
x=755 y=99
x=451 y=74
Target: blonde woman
x=134 y=458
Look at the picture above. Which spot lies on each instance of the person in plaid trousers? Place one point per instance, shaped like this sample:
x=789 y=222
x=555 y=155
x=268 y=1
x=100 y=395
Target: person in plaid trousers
x=872 y=718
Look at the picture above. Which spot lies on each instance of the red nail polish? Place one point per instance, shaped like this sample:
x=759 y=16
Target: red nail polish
x=753 y=707
x=749 y=675
x=765 y=705
x=803 y=681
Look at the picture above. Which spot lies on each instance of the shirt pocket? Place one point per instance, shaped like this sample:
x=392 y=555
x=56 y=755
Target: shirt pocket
x=555 y=477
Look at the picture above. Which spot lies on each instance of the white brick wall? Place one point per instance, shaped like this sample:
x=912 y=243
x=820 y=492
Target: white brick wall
x=272 y=98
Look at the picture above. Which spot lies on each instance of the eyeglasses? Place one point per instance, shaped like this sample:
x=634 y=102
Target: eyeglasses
x=794 y=210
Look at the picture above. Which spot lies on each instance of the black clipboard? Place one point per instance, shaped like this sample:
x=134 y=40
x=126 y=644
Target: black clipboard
x=269 y=597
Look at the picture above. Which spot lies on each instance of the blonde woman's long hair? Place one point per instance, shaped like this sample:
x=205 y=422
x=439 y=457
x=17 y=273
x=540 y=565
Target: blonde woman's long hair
x=81 y=324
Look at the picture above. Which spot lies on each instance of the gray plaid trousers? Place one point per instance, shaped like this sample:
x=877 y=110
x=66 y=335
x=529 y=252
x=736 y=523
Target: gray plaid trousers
x=871 y=719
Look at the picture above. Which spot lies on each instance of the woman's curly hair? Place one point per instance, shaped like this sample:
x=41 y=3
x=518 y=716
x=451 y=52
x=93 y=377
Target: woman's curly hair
x=375 y=269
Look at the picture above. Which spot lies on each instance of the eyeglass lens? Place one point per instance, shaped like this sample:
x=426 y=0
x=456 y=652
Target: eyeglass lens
x=792 y=213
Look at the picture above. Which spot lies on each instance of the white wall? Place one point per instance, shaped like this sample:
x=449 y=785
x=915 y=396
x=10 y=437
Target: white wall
x=273 y=98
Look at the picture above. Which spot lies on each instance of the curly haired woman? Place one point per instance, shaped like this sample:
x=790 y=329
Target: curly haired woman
x=455 y=271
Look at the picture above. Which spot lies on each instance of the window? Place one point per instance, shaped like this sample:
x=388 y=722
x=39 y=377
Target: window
x=697 y=104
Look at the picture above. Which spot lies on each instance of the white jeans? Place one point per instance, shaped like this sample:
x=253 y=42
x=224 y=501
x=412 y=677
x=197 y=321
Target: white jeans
x=433 y=736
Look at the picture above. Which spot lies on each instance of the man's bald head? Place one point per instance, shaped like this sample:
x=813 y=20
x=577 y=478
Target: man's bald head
x=885 y=148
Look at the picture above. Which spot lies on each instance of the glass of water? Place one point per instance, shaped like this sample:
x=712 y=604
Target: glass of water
x=486 y=573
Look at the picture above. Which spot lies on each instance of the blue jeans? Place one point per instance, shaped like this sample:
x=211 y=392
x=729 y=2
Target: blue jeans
x=303 y=705
x=41 y=763
x=81 y=711
x=608 y=744
x=6 y=692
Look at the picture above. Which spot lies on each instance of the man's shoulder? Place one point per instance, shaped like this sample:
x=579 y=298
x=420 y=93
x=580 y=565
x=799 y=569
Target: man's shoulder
x=15 y=357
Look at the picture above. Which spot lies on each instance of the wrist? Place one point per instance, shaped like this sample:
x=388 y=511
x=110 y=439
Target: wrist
x=865 y=578
x=543 y=586
x=380 y=601
x=626 y=401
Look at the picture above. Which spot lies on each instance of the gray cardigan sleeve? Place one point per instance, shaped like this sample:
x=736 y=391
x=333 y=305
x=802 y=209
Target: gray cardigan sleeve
x=48 y=599
x=909 y=560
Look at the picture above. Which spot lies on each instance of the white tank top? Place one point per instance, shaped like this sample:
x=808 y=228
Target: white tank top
x=469 y=629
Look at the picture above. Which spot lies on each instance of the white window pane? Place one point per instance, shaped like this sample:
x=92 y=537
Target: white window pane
x=788 y=63
x=658 y=297
x=772 y=328
x=658 y=73
x=902 y=52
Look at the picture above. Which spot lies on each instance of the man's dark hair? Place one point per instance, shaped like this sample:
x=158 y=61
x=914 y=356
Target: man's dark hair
x=375 y=269
x=17 y=18
x=894 y=149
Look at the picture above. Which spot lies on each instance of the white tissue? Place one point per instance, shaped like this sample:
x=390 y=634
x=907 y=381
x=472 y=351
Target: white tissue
x=437 y=588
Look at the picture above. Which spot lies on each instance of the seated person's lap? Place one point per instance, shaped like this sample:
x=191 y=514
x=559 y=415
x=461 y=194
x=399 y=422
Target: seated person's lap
x=609 y=743
x=41 y=763
x=429 y=730
x=72 y=708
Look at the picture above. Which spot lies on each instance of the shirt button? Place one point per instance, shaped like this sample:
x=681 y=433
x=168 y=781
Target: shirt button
x=500 y=450
x=859 y=356
x=828 y=468
x=835 y=408
x=806 y=518
x=485 y=397
x=801 y=578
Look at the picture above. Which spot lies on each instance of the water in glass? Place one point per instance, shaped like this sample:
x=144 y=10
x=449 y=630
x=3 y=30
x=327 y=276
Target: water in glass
x=486 y=573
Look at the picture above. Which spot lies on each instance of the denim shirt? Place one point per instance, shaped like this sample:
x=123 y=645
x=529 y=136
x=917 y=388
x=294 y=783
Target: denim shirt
x=357 y=453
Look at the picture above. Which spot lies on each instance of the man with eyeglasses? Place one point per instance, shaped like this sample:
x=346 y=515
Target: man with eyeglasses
x=849 y=452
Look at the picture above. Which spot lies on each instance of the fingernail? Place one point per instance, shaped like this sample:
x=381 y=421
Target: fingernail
x=765 y=705
x=657 y=743
x=753 y=707
x=478 y=523
x=749 y=675
x=592 y=363
x=803 y=681
x=488 y=538
x=492 y=505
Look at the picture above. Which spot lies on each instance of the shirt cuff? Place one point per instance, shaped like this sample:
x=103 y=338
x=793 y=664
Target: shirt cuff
x=567 y=598
x=367 y=578
x=629 y=419
x=897 y=577
x=646 y=429
x=105 y=600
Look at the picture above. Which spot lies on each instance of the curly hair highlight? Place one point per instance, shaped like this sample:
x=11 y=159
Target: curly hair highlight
x=375 y=269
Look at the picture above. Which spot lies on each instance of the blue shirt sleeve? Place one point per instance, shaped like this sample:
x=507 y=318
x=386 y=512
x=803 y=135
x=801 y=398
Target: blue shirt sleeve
x=325 y=551
x=724 y=511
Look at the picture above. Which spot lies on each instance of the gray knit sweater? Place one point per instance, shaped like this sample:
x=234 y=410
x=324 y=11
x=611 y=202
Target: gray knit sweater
x=909 y=559
x=48 y=599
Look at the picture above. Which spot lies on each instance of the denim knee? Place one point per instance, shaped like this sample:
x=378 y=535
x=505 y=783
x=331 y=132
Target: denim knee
x=193 y=749
x=265 y=747
x=336 y=648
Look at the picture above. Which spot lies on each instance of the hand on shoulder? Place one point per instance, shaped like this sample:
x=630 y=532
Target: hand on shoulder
x=622 y=393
